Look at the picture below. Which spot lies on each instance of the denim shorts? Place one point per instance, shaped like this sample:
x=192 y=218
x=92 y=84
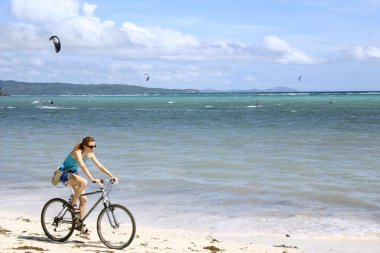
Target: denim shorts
x=66 y=175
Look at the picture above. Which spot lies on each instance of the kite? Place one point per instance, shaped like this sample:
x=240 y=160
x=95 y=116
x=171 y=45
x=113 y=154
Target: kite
x=147 y=77
x=57 y=43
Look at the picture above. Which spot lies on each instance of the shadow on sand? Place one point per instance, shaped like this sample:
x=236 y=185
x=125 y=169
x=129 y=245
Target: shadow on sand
x=75 y=243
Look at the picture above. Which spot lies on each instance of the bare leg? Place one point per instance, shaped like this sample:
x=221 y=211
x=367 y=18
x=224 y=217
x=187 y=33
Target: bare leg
x=82 y=207
x=78 y=184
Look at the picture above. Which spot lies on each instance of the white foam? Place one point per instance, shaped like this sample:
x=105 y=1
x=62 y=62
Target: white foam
x=56 y=107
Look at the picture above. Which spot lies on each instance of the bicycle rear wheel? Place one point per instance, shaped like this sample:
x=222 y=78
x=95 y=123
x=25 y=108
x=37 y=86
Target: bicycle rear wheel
x=116 y=227
x=56 y=220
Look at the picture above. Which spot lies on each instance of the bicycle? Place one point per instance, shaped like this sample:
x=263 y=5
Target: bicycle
x=115 y=225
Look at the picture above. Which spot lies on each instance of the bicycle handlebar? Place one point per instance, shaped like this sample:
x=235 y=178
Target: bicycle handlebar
x=106 y=181
x=106 y=185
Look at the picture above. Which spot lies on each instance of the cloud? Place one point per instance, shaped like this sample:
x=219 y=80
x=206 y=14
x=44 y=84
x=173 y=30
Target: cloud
x=75 y=24
x=96 y=50
x=21 y=36
x=276 y=49
x=89 y=9
x=157 y=37
x=80 y=30
x=78 y=26
x=37 y=62
x=363 y=53
x=45 y=10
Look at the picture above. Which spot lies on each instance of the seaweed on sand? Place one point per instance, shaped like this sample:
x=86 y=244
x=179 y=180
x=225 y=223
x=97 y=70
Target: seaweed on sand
x=31 y=248
x=213 y=249
x=4 y=231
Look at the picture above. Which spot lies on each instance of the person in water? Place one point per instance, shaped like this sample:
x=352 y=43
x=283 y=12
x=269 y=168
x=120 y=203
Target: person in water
x=75 y=159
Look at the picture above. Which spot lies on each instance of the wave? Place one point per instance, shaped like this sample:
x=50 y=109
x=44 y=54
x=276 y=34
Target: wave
x=46 y=107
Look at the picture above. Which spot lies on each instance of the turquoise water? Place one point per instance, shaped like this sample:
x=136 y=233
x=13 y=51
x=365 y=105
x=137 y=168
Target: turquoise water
x=302 y=163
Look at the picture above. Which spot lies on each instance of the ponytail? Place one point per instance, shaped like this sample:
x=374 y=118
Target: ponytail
x=79 y=146
x=84 y=142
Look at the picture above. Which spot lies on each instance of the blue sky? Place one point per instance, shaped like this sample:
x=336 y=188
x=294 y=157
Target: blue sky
x=200 y=44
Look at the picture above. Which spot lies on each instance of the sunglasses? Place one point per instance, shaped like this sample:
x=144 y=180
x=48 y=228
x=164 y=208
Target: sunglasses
x=91 y=147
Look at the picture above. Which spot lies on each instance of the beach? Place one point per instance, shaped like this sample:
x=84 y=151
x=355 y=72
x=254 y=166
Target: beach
x=23 y=233
x=299 y=172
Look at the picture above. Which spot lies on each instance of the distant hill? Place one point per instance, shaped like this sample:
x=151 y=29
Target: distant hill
x=25 y=88
x=280 y=89
x=275 y=89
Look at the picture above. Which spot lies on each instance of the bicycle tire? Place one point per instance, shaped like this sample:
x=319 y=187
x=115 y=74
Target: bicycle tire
x=51 y=222
x=126 y=227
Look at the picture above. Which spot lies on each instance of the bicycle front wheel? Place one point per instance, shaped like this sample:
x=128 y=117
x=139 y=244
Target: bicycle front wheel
x=116 y=226
x=56 y=220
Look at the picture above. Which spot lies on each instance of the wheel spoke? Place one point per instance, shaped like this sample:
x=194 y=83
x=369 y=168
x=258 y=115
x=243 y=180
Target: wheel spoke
x=116 y=227
x=56 y=221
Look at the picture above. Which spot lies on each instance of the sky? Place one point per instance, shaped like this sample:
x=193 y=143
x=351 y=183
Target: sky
x=197 y=44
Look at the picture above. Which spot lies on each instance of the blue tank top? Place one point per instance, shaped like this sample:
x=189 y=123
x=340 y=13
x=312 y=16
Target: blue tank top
x=71 y=164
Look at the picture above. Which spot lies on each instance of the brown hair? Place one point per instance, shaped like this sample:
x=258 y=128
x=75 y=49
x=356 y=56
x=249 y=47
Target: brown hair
x=84 y=142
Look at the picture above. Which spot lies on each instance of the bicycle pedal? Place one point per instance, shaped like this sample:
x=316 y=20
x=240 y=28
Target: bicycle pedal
x=77 y=222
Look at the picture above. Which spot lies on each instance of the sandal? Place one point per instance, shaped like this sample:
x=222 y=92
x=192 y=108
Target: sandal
x=85 y=231
x=74 y=208
x=82 y=228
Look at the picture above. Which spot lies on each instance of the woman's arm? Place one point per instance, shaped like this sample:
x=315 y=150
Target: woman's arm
x=101 y=167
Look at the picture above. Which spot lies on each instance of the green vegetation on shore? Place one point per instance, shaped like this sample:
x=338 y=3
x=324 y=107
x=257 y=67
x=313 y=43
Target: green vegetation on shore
x=26 y=88
x=51 y=89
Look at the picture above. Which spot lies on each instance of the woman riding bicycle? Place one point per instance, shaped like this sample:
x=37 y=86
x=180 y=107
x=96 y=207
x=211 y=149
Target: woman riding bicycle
x=75 y=159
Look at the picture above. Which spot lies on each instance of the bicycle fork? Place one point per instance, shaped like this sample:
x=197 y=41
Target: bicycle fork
x=110 y=213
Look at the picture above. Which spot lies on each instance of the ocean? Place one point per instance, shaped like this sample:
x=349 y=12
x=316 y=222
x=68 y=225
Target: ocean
x=304 y=164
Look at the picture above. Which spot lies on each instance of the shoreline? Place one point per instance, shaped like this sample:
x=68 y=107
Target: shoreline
x=23 y=233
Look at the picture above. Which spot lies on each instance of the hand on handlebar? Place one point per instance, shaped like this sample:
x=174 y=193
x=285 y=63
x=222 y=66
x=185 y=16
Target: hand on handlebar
x=97 y=181
x=115 y=180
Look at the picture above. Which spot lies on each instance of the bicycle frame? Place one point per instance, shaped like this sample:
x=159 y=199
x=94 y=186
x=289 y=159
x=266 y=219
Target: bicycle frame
x=104 y=197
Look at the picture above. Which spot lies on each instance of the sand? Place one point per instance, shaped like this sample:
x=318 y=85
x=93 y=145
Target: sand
x=23 y=233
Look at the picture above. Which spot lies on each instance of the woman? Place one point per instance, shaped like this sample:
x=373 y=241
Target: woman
x=77 y=158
